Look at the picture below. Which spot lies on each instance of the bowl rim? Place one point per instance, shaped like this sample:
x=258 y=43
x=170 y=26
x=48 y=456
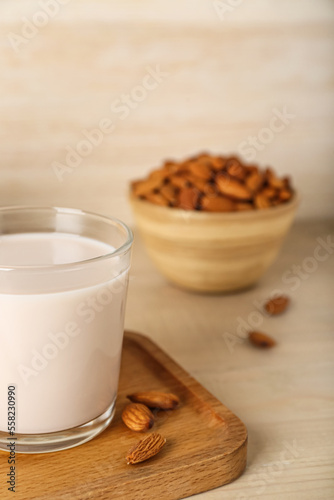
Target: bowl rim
x=201 y=214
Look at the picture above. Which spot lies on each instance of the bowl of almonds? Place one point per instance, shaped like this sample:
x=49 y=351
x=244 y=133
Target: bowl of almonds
x=212 y=223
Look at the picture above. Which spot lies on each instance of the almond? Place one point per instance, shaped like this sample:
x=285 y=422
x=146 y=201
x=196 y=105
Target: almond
x=196 y=182
x=169 y=192
x=204 y=155
x=188 y=198
x=274 y=181
x=233 y=188
x=277 y=305
x=159 y=174
x=155 y=399
x=200 y=169
x=261 y=201
x=178 y=181
x=217 y=204
x=217 y=163
x=285 y=195
x=157 y=198
x=145 y=187
x=251 y=169
x=254 y=181
x=182 y=184
x=243 y=206
x=138 y=417
x=269 y=192
x=173 y=167
x=260 y=339
x=210 y=188
x=145 y=448
x=235 y=169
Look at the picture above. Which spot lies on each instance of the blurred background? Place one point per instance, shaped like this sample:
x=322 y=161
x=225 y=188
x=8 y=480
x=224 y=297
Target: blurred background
x=95 y=93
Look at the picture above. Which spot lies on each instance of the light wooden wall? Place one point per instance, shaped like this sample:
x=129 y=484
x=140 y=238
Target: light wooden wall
x=226 y=75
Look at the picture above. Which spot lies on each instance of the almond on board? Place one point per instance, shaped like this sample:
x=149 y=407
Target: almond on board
x=138 y=417
x=156 y=399
x=145 y=448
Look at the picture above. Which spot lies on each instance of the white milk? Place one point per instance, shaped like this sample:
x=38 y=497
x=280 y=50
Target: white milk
x=61 y=349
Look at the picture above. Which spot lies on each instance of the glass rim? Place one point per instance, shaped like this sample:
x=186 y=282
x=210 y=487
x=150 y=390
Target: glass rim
x=71 y=211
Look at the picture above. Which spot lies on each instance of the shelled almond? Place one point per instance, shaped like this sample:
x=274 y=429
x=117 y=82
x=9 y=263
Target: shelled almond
x=214 y=184
x=277 y=305
x=146 y=448
x=138 y=417
x=262 y=340
x=155 y=399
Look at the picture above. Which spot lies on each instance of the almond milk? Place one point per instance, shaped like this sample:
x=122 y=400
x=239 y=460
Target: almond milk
x=60 y=344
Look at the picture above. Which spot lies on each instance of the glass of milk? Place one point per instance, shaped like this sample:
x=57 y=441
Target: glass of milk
x=63 y=287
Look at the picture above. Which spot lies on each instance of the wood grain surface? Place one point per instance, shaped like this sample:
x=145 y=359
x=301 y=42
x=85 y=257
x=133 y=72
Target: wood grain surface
x=223 y=79
x=206 y=444
x=284 y=396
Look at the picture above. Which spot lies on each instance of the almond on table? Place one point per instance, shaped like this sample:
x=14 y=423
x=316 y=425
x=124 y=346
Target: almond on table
x=262 y=340
x=277 y=305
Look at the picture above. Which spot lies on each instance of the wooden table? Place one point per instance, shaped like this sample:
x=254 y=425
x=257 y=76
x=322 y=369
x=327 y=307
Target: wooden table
x=285 y=396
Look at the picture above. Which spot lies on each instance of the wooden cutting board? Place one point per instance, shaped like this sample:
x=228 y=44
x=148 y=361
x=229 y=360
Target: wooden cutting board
x=206 y=444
